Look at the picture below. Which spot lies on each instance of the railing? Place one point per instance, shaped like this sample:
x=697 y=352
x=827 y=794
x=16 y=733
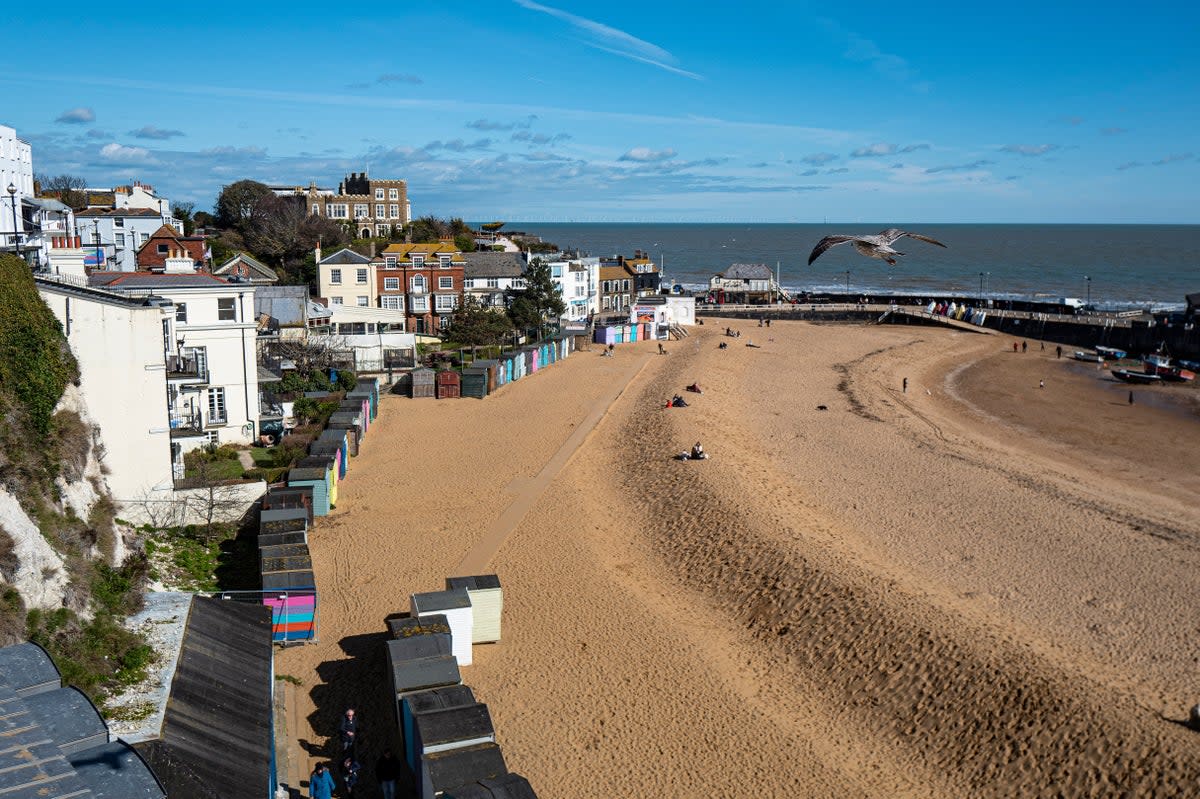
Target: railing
x=184 y=422
x=184 y=368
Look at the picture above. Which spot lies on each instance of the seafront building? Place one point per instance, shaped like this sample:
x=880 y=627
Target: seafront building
x=488 y=275
x=424 y=281
x=16 y=170
x=578 y=279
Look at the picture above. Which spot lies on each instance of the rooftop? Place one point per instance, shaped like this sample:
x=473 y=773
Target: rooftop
x=493 y=264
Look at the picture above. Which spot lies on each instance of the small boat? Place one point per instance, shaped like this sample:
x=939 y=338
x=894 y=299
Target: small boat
x=1161 y=365
x=1090 y=357
x=1110 y=353
x=1129 y=376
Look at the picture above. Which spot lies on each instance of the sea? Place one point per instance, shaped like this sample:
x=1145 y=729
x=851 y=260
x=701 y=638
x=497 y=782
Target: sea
x=1110 y=266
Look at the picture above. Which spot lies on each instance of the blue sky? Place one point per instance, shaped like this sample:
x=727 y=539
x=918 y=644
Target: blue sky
x=617 y=111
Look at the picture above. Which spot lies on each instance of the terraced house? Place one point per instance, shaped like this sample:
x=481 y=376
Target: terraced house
x=423 y=280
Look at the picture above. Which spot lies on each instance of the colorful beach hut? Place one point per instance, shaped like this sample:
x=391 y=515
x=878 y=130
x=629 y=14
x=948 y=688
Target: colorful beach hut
x=333 y=451
x=490 y=367
x=449 y=384
x=474 y=383
x=422 y=383
x=287 y=497
x=290 y=590
x=352 y=431
x=316 y=475
x=370 y=386
x=341 y=438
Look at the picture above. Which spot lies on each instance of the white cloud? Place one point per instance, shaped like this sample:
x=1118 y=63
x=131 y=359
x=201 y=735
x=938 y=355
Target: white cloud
x=819 y=159
x=1029 y=149
x=153 y=132
x=646 y=155
x=872 y=150
x=77 y=116
x=125 y=155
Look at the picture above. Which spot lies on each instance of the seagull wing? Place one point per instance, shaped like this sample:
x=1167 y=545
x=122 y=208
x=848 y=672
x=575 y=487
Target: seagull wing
x=827 y=242
x=890 y=235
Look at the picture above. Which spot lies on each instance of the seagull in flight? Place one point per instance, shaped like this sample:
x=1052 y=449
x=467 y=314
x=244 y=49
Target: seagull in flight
x=877 y=246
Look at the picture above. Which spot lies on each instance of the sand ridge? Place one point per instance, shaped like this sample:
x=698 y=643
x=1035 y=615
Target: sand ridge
x=885 y=598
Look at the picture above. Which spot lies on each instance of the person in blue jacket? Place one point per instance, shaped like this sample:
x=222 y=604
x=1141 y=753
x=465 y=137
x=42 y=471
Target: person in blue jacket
x=320 y=783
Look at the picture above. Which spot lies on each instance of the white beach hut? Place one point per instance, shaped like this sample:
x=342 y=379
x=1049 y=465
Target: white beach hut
x=487 y=604
x=456 y=607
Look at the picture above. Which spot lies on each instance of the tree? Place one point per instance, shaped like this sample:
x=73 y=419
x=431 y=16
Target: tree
x=539 y=302
x=475 y=325
x=69 y=189
x=429 y=230
x=183 y=212
x=236 y=202
x=492 y=227
x=204 y=219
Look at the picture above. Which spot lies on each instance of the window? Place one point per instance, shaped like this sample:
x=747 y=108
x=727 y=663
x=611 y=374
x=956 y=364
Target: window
x=518 y=283
x=379 y=194
x=382 y=230
x=119 y=222
x=362 y=210
x=144 y=237
x=213 y=437
x=389 y=262
x=163 y=249
x=181 y=313
x=444 y=322
x=393 y=194
x=446 y=302
x=216 y=406
x=420 y=304
x=604 y=303
x=335 y=277
x=226 y=309
x=391 y=284
x=444 y=261
x=417 y=284
x=418 y=259
x=316 y=209
x=361 y=277
x=363 y=301
x=394 y=211
x=394 y=302
x=335 y=300
x=556 y=271
x=445 y=282
x=119 y=239
x=493 y=282
x=337 y=210
x=625 y=285
x=379 y=208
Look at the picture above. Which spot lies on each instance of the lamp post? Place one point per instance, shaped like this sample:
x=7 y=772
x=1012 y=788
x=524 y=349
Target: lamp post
x=96 y=239
x=981 y=288
x=1088 y=278
x=12 y=198
x=847 y=285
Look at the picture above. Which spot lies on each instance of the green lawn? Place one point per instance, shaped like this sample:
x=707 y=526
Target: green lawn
x=221 y=470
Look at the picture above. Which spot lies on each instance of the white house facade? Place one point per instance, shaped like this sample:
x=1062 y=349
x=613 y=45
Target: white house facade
x=16 y=170
x=347 y=278
x=488 y=275
x=578 y=282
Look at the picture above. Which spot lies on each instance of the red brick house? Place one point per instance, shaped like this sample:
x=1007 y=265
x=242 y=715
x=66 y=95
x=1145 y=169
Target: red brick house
x=423 y=280
x=164 y=244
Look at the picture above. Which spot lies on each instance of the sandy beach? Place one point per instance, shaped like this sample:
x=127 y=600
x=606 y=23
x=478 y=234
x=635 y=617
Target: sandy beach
x=977 y=587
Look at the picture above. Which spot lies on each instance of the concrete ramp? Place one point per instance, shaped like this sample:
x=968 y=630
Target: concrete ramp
x=936 y=319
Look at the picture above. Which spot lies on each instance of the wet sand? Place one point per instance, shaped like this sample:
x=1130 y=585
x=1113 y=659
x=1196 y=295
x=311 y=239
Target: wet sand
x=977 y=587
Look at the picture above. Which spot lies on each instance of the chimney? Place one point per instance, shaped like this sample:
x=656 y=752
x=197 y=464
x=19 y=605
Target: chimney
x=317 y=253
x=372 y=248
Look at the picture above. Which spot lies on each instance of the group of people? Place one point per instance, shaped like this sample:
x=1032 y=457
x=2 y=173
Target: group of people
x=696 y=453
x=321 y=783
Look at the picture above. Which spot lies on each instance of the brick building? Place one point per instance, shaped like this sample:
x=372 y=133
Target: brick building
x=423 y=280
x=375 y=206
x=166 y=242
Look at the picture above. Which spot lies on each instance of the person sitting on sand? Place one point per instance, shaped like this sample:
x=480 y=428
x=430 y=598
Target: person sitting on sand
x=678 y=402
x=723 y=346
x=695 y=388
x=698 y=453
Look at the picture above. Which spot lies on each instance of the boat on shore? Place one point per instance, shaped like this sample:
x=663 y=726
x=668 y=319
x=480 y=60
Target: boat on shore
x=1089 y=357
x=1130 y=376
x=1163 y=367
x=1110 y=353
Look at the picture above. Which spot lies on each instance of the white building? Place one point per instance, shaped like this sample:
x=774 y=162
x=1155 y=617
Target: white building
x=347 y=278
x=16 y=170
x=488 y=275
x=578 y=281
x=114 y=235
x=126 y=396
x=664 y=311
x=210 y=351
x=48 y=223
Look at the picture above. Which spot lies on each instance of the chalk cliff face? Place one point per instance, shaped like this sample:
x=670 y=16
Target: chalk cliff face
x=41 y=575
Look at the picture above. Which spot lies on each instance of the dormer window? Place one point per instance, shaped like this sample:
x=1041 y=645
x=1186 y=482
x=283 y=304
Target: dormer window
x=418 y=260
x=444 y=261
x=389 y=261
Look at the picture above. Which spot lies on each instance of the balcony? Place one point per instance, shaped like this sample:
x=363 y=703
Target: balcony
x=186 y=425
x=186 y=369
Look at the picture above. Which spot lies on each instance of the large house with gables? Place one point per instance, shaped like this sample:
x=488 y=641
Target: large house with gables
x=488 y=275
x=425 y=281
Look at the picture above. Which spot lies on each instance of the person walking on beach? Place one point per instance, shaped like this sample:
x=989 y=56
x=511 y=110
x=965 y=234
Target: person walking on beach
x=1130 y=397
x=1014 y=346
x=661 y=349
x=387 y=771
x=348 y=731
x=1024 y=346
x=1041 y=384
x=320 y=783
x=904 y=386
x=1058 y=351
x=350 y=769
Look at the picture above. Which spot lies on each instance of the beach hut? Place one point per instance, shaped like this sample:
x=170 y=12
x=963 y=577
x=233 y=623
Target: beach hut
x=316 y=480
x=335 y=451
x=422 y=384
x=456 y=607
x=275 y=539
x=506 y=365
x=412 y=704
x=370 y=385
x=283 y=520
x=419 y=676
x=487 y=605
x=445 y=729
x=489 y=367
x=474 y=383
x=290 y=590
x=355 y=407
x=408 y=626
x=329 y=464
x=287 y=497
x=339 y=437
x=449 y=384
x=352 y=432
x=605 y=335
x=508 y=786
x=347 y=414
x=443 y=770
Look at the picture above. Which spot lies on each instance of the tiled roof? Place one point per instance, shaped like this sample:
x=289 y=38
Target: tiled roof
x=346 y=256
x=252 y=263
x=118 y=281
x=748 y=272
x=118 y=212
x=614 y=273
x=493 y=264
